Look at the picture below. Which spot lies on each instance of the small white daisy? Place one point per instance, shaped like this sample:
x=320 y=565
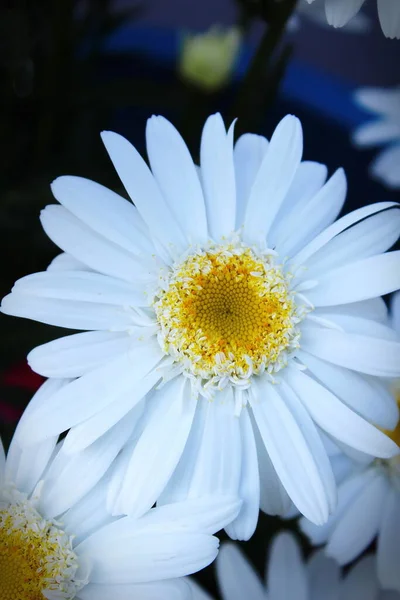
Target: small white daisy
x=384 y=103
x=231 y=320
x=315 y=12
x=339 y=12
x=57 y=540
x=288 y=576
x=368 y=507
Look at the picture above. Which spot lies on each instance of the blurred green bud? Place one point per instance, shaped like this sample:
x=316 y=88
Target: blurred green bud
x=207 y=59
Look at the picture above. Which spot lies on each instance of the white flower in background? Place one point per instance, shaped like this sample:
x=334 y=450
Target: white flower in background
x=385 y=104
x=207 y=59
x=288 y=576
x=368 y=507
x=339 y=12
x=57 y=540
x=315 y=12
x=230 y=321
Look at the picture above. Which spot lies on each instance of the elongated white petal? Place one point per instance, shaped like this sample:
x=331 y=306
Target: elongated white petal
x=337 y=419
x=324 y=577
x=218 y=177
x=248 y=154
x=86 y=245
x=144 y=191
x=340 y=225
x=384 y=101
x=369 y=355
x=289 y=452
x=367 y=396
x=77 y=354
x=389 y=17
x=385 y=167
x=367 y=278
x=236 y=577
x=362 y=582
x=176 y=589
x=102 y=210
x=66 y=262
x=243 y=527
x=339 y=12
x=286 y=575
x=388 y=542
x=376 y=133
x=89 y=394
x=175 y=173
x=152 y=464
x=274 y=178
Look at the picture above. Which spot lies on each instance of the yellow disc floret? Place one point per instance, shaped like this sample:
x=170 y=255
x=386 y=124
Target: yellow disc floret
x=36 y=557
x=227 y=313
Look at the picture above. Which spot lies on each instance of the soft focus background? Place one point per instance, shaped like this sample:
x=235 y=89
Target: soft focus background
x=69 y=69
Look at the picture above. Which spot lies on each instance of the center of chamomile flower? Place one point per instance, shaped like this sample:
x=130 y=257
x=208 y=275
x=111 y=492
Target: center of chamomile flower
x=226 y=313
x=36 y=556
x=392 y=465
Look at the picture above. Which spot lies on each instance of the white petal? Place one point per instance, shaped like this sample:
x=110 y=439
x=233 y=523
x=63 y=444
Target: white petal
x=105 y=212
x=175 y=173
x=384 y=101
x=236 y=577
x=367 y=396
x=374 y=309
x=324 y=577
x=2 y=463
x=74 y=237
x=386 y=167
x=362 y=582
x=339 y=12
x=83 y=287
x=362 y=353
x=248 y=154
x=289 y=452
x=66 y=262
x=159 y=448
x=337 y=227
x=88 y=395
x=337 y=420
x=197 y=592
x=287 y=578
x=144 y=191
x=274 y=179
x=359 y=523
x=395 y=311
x=218 y=177
x=134 y=558
x=249 y=486
x=359 y=280
x=389 y=17
x=376 y=133
x=29 y=463
x=316 y=214
x=388 y=542
x=372 y=236
x=75 y=355
x=309 y=179
x=176 y=589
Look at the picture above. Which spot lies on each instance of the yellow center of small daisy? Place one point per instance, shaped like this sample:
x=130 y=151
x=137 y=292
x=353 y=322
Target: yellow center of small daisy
x=395 y=433
x=228 y=313
x=36 y=557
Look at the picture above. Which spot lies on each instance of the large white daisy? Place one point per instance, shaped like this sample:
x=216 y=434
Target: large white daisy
x=368 y=508
x=57 y=540
x=289 y=576
x=230 y=321
x=339 y=12
x=385 y=104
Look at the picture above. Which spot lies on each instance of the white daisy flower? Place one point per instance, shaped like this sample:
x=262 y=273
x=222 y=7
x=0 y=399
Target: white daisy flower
x=339 y=12
x=57 y=540
x=315 y=12
x=288 y=576
x=385 y=103
x=368 y=507
x=230 y=320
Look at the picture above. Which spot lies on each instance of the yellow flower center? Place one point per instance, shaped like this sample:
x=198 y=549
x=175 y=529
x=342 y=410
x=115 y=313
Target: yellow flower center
x=227 y=313
x=395 y=433
x=36 y=557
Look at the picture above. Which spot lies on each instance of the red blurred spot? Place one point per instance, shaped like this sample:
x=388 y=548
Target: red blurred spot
x=21 y=375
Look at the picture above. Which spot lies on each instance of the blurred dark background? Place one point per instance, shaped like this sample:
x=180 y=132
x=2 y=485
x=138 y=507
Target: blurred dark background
x=69 y=69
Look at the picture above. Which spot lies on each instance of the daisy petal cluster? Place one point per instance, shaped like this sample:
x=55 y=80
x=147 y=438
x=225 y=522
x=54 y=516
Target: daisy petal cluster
x=339 y=12
x=288 y=575
x=218 y=338
x=58 y=541
x=385 y=130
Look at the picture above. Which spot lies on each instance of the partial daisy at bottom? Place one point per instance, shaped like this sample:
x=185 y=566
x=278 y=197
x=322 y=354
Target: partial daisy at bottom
x=57 y=540
x=368 y=508
x=230 y=320
x=288 y=576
